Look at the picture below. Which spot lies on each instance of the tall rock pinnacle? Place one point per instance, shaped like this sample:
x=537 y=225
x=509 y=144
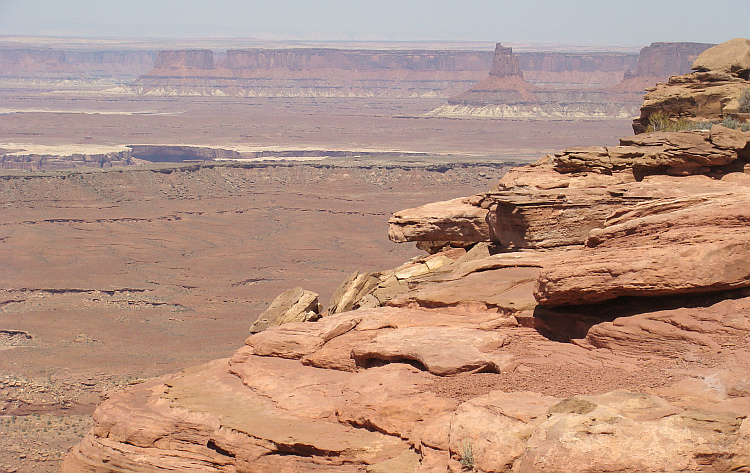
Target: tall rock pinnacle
x=505 y=63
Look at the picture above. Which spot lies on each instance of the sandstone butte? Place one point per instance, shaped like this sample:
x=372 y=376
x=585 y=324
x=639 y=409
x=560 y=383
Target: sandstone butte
x=589 y=314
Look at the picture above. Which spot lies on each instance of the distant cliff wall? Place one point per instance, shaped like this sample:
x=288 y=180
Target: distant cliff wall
x=192 y=58
x=368 y=60
x=34 y=63
x=317 y=72
x=668 y=59
x=581 y=62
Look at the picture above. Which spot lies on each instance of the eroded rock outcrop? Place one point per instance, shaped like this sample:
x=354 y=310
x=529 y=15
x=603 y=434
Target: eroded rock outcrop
x=712 y=92
x=294 y=305
x=589 y=314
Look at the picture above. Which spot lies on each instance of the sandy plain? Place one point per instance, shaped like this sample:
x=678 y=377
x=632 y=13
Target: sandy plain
x=111 y=276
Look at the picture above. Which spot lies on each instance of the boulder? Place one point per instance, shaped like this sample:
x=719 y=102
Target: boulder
x=443 y=351
x=679 y=153
x=294 y=305
x=731 y=56
x=351 y=291
x=453 y=220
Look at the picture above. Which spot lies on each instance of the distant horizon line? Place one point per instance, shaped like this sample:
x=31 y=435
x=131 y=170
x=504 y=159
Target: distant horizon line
x=78 y=41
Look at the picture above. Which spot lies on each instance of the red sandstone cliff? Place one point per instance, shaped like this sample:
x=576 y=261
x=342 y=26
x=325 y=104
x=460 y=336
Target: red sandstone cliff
x=659 y=61
x=38 y=63
x=317 y=72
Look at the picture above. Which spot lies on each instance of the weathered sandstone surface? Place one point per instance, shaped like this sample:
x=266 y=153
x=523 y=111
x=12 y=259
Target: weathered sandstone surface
x=589 y=314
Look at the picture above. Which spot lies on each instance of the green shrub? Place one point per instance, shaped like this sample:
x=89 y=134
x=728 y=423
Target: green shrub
x=660 y=121
x=745 y=102
x=732 y=123
x=467 y=456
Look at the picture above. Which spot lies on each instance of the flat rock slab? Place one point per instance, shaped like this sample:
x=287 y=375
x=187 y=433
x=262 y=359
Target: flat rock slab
x=452 y=220
x=443 y=351
x=689 y=245
x=509 y=289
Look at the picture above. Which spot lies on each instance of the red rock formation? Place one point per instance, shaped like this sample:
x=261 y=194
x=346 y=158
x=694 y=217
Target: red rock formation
x=659 y=61
x=505 y=63
x=590 y=314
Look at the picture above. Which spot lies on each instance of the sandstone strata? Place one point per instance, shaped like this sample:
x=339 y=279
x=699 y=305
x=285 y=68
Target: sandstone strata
x=57 y=65
x=589 y=314
x=659 y=61
x=315 y=72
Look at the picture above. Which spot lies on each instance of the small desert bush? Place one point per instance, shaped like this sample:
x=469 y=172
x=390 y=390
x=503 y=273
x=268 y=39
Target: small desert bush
x=660 y=121
x=732 y=123
x=745 y=102
x=467 y=456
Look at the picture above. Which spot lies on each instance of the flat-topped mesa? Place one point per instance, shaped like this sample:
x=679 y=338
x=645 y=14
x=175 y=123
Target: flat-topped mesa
x=316 y=72
x=505 y=63
x=668 y=59
x=185 y=59
x=718 y=89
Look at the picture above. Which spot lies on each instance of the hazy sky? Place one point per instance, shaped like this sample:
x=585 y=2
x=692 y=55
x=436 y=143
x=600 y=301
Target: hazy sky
x=602 y=22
